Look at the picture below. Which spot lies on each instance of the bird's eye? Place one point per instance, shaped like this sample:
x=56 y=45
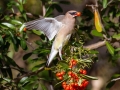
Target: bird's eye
x=72 y=13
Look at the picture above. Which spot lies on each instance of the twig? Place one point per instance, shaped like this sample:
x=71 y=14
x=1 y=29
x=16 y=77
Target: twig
x=5 y=67
x=95 y=46
x=115 y=79
x=17 y=69
x=44 y=9
x=108 y=4
x=16 y=80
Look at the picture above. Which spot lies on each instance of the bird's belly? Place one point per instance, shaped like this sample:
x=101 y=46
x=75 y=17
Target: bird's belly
x=62 y=36
x=61 y=41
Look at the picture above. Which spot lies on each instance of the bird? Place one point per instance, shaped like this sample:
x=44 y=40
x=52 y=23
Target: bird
x=58 y=28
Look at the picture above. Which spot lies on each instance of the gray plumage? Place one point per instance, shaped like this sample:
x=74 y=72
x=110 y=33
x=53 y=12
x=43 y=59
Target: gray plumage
x=50 y=26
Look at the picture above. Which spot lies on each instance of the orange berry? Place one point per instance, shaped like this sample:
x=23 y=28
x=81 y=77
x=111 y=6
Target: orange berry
x=71 y=60
x=72 y=84
x=70 y=87
x=58 y=74
x=81 y=71
x=67 y=87
x=62 y=72
x=25 y=29
x=78 y=13
x=75 y=84
x=70 y=73
x=60 y=78
x=85 y=83
x=73 y=75
x=81 y=85
x=74 y=62
x=70 y=66
x=84 y=72
x=63 y=83
x=76 y=79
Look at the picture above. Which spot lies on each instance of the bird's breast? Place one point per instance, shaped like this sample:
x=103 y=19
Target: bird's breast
x=62 y=35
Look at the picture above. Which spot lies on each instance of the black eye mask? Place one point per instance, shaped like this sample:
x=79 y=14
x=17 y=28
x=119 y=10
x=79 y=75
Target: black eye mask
x=72 y=13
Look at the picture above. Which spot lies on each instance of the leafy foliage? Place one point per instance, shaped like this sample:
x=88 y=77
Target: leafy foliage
x=12 y=34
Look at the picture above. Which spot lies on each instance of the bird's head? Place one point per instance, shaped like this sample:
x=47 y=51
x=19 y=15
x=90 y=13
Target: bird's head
x=74 y=13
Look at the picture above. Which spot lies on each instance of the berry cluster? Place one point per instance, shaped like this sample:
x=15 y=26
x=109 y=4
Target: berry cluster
x=75 y=80
x=60 y=75
x=75 y=86
x=72 y=63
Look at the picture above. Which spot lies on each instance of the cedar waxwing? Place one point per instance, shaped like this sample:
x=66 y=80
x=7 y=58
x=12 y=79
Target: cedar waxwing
x=60 y=27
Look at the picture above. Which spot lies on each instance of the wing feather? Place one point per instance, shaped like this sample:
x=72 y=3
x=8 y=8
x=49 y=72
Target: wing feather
x=50 y=26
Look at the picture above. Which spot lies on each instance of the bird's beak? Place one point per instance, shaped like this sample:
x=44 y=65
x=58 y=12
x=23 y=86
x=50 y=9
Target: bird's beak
x=78 y=14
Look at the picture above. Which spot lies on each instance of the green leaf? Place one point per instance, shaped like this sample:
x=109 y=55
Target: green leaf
x=1 y=40
x=115 y=76
x=23 y=79
x=35 y=68
x=93 y=52
x=16 y=46
x=22 y=27
x=89 y=77
x=110 y=48
x=104 y=3
x=11 y=61
x=26 y=56
x=117 y=49
x=49 y=11
x=110 y=84
x=16 y=22
x=116 y=36
x=21 y=1
x=115 y=57
x=9 y=72
x=37 y=32
x=44 y=51
x=23 y=44
x=7 y=79
x=12 y=36
x=24 y=15
x=20 y=6
x=9 y=25
x=43 y=87
x=96 y=33
x=38 y=42
x=61 y=81
x=7 y=17
x=64 y=64
x=118 y=14
x=35 y=87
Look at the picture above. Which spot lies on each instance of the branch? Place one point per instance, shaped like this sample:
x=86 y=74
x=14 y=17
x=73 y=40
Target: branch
x=96 y=45
x=16 y=80
x=115 y=79
x=44 y=9
x=108 y=4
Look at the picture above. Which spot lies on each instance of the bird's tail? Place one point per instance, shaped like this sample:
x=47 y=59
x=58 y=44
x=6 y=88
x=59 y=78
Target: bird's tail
x=51 y=56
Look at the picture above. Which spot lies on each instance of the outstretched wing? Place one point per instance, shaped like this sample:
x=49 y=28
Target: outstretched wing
x=49 y=26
